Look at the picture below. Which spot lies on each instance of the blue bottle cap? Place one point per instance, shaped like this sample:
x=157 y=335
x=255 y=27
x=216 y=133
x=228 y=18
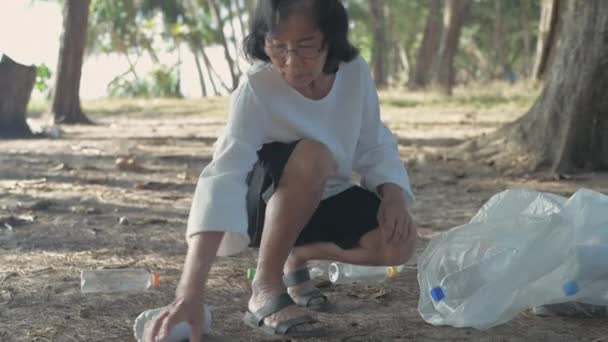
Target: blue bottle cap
x=437 y=294
x=570 y=288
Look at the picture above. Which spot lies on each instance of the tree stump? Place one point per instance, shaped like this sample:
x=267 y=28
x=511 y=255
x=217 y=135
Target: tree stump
x=16 y=85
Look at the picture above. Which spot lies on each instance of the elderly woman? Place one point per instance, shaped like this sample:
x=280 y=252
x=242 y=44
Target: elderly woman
x=302 y=121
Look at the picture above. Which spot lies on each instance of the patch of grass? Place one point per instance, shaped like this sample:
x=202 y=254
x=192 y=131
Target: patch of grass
x=476 y=96
x=399 y=102
x=37 y=107
x=491 y=100
x=154 y=107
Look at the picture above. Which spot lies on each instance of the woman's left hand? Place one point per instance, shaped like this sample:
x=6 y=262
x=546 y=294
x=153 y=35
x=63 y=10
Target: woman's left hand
x=394 y=219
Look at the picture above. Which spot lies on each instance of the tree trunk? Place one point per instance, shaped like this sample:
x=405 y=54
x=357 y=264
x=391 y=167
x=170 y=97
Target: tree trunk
x=235 y=42
x=250 y=9
x=500 y=55
x=16 y=85
x=66 y=100
x=567 y=127
x=527 y=40
x=199 y=70
x=211 y=72
x=444 y=63
x=380 y=42
x=429 y=46
x=547 y=37
x=240 y=12
x=231 y=62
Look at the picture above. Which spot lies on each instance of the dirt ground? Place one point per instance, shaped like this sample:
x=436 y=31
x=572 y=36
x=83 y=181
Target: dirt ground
x=63 y=199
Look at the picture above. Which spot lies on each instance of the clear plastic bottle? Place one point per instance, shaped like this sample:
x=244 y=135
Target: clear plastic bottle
x=117 y=280
x=315 y=271
x=340 y=273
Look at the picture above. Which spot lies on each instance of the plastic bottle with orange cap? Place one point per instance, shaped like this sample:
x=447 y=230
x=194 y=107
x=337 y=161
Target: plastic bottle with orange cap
x=118 y=280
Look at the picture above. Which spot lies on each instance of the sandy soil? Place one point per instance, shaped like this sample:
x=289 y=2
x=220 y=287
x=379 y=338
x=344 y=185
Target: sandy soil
x=63 y=200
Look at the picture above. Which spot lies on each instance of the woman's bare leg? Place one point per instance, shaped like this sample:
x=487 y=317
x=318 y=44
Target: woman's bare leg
x=291 y=206
x=372 y=250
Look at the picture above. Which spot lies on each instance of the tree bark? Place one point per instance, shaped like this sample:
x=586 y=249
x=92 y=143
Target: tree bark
x=527 y=40
x=211 y=72
x=16 y=85
x=500 y=55
x=429 y=46
x=444 y=63
x=566 y=129
x=548 y=28
x=235 y=42
x=250 y=9
x=231 y=62
x=199 y=70
x=66 y=101
x=379 y=48
x=240 y=12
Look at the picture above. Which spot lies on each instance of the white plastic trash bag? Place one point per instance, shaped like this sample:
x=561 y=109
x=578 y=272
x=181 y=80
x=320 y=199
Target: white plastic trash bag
x=523 y=249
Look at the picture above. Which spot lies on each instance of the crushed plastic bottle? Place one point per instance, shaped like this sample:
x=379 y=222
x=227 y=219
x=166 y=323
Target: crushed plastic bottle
x=182 y=331
x=117 y=280
x=341 y=273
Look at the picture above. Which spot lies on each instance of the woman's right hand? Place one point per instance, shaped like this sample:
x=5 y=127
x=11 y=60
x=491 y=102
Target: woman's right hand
x=181 y=309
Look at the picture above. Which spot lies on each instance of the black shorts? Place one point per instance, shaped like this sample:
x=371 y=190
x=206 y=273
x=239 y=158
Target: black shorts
x=342 y=219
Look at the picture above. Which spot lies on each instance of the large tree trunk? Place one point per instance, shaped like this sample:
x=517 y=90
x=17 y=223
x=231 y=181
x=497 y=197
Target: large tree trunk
x=567 y=127
x=429 y=46
x=444 y=63
x=548 y=29
x=380 y=42
x=66 y=100
x=16 y=85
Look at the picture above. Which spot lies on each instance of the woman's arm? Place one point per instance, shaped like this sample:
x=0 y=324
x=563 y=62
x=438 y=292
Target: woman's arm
x=377 y=156
x=189 y=296
x=202 y=249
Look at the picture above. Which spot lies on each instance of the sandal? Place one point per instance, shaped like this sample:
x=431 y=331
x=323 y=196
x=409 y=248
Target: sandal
x=308 y=299
x=256 y=319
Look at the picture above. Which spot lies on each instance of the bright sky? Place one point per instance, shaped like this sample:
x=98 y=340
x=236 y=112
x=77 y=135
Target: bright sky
x=30 y=33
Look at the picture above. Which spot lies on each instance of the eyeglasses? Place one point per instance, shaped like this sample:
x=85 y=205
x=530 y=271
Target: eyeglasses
x=281 y=51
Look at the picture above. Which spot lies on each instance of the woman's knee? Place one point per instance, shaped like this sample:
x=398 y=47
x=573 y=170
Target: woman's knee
x=310 y=160
x=400 y=254
x=388 y=254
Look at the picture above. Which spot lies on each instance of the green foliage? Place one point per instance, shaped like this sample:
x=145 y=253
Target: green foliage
x=135 y=28
x=497 y=48
x=117 y=26
x=43 y=74
x=161 y=82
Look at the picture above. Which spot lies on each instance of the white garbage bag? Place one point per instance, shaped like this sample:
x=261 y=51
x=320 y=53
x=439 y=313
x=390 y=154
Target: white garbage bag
x=523 y=249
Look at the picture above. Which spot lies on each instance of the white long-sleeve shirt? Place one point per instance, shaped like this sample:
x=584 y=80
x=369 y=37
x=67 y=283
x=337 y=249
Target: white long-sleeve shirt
x=264 y=109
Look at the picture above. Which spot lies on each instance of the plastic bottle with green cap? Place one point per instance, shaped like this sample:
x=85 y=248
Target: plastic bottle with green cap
x=250 y=273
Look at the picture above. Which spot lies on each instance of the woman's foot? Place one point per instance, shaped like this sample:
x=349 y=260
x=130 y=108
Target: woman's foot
x=264 y=292
x=301 y=292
